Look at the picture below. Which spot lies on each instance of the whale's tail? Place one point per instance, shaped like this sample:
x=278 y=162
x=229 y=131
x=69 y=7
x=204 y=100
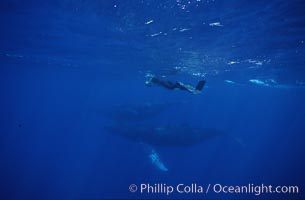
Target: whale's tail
x=200 y=85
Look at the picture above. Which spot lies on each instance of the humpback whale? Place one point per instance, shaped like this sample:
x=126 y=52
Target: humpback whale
x=166 y=135
x=130 y=123
x=137 y=112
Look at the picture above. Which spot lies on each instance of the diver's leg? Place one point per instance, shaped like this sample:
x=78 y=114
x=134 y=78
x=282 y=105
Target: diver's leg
x=188 y=88
x=180 y=85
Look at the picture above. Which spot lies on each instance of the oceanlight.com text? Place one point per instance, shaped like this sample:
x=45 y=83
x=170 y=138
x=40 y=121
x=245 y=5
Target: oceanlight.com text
x=195 y=188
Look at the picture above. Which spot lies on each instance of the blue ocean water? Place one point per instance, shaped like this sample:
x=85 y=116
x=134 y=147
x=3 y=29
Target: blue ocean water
x=71 y=68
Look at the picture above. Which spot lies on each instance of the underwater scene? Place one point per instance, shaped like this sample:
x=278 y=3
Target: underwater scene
x=152 y=99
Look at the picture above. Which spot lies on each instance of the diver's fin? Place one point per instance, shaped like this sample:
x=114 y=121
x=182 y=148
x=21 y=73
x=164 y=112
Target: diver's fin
x=200 y=85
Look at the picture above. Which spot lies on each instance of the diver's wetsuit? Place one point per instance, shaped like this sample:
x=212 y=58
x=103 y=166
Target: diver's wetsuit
x=178 y=85
x=164 y=83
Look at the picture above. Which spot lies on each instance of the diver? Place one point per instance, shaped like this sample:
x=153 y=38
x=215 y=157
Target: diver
x=153 y=80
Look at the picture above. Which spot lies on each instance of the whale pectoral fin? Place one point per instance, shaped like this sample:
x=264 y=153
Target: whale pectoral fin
x=155 y=159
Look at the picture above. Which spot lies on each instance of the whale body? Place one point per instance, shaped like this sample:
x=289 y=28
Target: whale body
x=137 y=112
x=166 y=135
